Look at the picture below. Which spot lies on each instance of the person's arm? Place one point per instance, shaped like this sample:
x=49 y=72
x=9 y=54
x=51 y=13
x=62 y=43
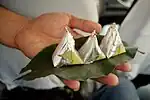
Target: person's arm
x=10 y=24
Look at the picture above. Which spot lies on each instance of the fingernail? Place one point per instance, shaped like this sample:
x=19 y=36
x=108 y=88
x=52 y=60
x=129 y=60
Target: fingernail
x=77 y=89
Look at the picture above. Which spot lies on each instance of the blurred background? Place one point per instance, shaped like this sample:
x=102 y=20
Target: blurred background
x=114 y=10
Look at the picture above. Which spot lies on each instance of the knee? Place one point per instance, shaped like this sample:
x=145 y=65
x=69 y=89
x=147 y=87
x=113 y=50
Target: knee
x=125 y=83
x=123 y=86
x=125 y=90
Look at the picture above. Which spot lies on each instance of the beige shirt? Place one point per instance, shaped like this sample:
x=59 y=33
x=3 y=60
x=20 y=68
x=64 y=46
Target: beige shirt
x=135 y=29
x=86 y=9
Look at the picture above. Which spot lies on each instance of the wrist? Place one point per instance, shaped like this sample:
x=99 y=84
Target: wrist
x=10 y=25
x=21 y=28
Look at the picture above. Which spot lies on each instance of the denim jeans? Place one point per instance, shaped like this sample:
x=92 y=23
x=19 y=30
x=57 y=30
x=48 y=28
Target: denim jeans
x=125 y=90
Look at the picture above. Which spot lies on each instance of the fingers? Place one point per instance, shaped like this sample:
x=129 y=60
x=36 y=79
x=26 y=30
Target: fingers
x=126 y=67
x=84 y=25
x=110 y=79
x=74 y=33
x=73 y=84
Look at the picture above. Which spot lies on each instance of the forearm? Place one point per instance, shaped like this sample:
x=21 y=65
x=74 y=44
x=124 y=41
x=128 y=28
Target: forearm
x=10 y=25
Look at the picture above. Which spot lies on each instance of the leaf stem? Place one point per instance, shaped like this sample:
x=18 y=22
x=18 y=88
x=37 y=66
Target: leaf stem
x=141 y=52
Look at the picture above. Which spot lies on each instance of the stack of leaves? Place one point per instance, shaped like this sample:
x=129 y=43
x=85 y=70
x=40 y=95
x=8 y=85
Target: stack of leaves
x=87 y=57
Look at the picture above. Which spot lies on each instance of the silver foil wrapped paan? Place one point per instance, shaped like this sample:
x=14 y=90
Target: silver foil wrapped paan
x=112 y=44
x=65 y=53
x=90 y=51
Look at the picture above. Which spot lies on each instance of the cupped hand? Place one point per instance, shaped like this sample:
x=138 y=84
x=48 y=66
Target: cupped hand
x=49 y=29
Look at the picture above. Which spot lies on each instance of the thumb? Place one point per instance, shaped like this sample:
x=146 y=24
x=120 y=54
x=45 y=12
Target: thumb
x=84 y=25
x=73 y=84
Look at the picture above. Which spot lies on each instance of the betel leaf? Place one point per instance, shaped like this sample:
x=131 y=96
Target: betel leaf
x=72 y=57
x=41 y=65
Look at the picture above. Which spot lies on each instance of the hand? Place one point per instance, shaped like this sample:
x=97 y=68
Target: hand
x=49 y=29
x=111 y=79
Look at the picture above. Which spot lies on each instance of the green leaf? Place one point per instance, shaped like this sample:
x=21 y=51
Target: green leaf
x=120 y=49
x=41 y=61
x=41 y=65
x=72 y=57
